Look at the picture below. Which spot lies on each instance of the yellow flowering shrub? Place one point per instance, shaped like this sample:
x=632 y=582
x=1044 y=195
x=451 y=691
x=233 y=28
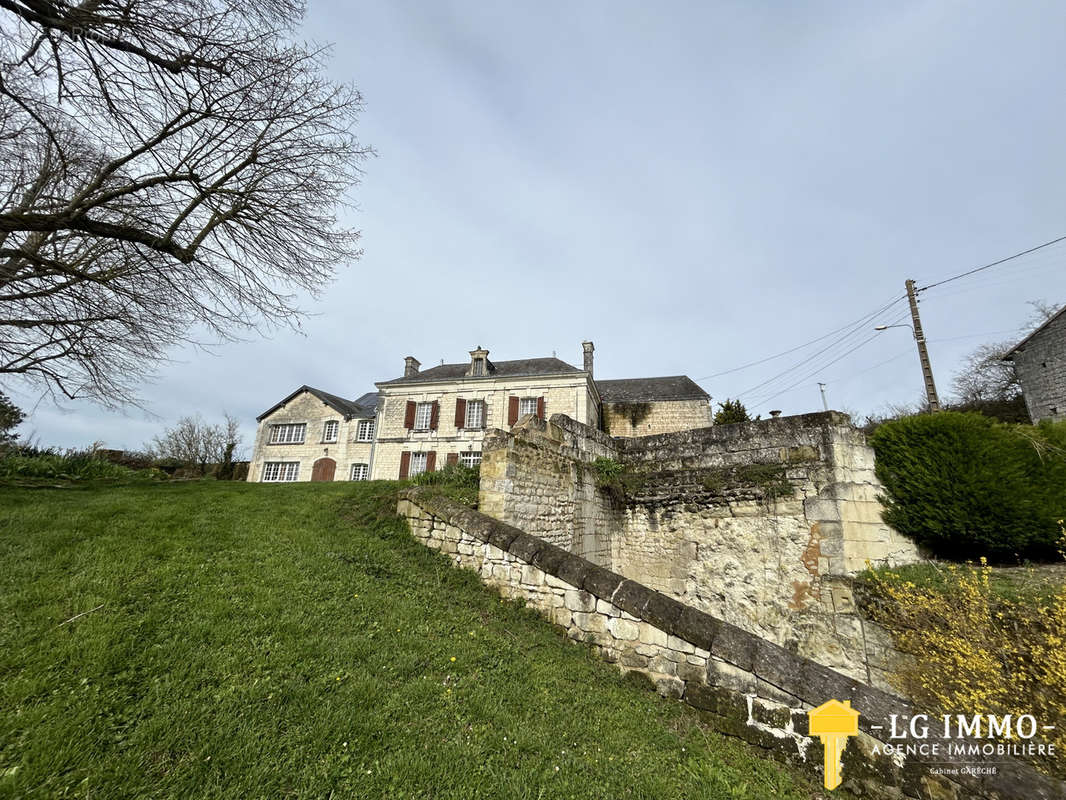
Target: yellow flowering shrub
x=976 y=651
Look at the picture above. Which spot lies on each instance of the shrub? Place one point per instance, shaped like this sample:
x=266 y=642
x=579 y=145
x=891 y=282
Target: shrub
x=969 y=487
x=731 y=411
x=976 y=651
x=33 y=462
x=456 y=481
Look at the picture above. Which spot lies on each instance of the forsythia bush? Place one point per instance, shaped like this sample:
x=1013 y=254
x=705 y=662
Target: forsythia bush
x=975 y=652
x=967 y=486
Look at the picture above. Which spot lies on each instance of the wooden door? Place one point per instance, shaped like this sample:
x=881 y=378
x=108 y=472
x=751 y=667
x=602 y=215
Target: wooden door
x=323 y=470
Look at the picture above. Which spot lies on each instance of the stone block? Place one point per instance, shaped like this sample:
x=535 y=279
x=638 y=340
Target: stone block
x=631 y=658
x=577 y=600
x=649 y=634
x=727 y=676
x=669 y=686
x=623 y=629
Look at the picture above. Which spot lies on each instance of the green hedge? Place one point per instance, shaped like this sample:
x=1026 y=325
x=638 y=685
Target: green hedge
x=967 y=486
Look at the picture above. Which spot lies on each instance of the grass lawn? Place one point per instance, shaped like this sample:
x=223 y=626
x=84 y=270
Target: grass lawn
x=294 y=641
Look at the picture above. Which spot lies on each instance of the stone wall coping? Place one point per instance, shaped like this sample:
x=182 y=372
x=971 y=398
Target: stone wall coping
x=810 y=682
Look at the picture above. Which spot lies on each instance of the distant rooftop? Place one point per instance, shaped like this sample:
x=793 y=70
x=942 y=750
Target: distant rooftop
x=365 y=406
x=643 y=390
x=496 y=369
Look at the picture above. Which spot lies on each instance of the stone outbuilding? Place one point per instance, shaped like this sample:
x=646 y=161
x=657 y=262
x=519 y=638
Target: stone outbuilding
x=1040 y=361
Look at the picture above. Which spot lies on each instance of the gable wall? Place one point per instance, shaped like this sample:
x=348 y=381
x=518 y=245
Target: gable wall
x=308 y=409
x=1041 y=368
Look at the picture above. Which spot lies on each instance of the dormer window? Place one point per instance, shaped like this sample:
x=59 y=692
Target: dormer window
x=479 y=363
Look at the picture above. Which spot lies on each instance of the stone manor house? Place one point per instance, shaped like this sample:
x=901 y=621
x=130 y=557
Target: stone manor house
x=423 y=420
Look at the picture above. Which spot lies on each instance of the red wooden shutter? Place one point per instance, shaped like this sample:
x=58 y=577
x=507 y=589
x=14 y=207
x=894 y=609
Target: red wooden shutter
x=409 y=415
x=512 y=410
x=453 y=459
x=405 y=464
x=460 y=413
x=434 y=417
x=431 y=460
x=540 y=408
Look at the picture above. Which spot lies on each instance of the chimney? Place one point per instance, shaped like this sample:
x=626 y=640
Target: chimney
x=588 y=347
x=775 y=413
x=410 y=366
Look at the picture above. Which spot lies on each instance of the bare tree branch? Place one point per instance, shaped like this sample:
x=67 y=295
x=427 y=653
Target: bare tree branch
x=170 y=170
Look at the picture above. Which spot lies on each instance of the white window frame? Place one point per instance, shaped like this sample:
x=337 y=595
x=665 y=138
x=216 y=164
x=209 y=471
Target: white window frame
x=474 y=421
x=360 y=472
x=470 y=458
x=364 y=431
x=326 y=427
x=281 y=471
x=478 y=369
x=527 y=405
x=288 y=433
x=423 y=415
x=417 y=465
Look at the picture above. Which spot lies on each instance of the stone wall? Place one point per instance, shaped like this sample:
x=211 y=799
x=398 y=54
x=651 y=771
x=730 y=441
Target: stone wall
x=661 y=416
x=1041 y=367
x=759 y=523
x=743 y=685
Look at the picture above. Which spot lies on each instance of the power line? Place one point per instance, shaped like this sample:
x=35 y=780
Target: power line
x=797 y=347
x=813 y=374
x=851 y=331
x=994 y=263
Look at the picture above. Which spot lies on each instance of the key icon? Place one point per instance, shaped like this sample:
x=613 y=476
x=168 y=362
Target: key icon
x=833 y=722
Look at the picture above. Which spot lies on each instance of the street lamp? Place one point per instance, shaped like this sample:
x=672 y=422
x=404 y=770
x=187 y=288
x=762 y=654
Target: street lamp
x=923 y=358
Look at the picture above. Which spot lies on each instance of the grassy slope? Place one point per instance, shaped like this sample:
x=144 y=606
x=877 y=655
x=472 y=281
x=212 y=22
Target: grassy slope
x=268 y=641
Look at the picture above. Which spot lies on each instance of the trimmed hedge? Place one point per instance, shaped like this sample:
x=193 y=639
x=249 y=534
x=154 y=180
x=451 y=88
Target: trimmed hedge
x=967 y=486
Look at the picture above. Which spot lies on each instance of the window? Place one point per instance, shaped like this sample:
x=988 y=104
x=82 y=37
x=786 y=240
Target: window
x=479 y=367
x=288 y=433
x=365 y=431
x=527 y=405
x=418 y=464
x=423 y=416
x=329 y=430
x=360 y=472
x=281 y=471
x=475 y=414
x=470 y=459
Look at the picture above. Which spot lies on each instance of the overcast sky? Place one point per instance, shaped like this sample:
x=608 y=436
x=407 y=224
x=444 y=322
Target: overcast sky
x=693 y=186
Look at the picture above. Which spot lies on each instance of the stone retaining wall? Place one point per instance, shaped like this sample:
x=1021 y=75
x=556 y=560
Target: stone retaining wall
x=759 y=523
x=744 y=685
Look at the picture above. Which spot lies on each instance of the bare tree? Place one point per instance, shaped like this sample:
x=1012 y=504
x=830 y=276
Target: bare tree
x=193 y=442
x=986 y=377
x=169 y=170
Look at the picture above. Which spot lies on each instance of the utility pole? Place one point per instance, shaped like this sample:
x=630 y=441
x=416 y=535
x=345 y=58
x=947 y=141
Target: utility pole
x=825 y=403
x=923 y=353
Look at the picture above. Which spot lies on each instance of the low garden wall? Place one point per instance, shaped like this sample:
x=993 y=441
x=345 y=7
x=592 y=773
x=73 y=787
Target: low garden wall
x=744 y=685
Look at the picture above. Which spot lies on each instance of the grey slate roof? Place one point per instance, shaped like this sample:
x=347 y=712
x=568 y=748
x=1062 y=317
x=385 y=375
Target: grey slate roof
x=365 y=406
x=1021 y=345
x=497 y=369
x=642 y=390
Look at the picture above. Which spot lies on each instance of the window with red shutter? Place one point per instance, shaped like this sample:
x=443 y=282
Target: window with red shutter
x=540 y=408
x=434 y=417
x=409 y=415
x=405 y=463
x=431 y=460
x=512 y=410
x=460 y=413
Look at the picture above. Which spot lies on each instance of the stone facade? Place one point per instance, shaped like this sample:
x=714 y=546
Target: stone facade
x=760 y=523
x=1040 y=361
x=569 y=394
x=743 y=685
x=307 y=409
x=655 y=416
